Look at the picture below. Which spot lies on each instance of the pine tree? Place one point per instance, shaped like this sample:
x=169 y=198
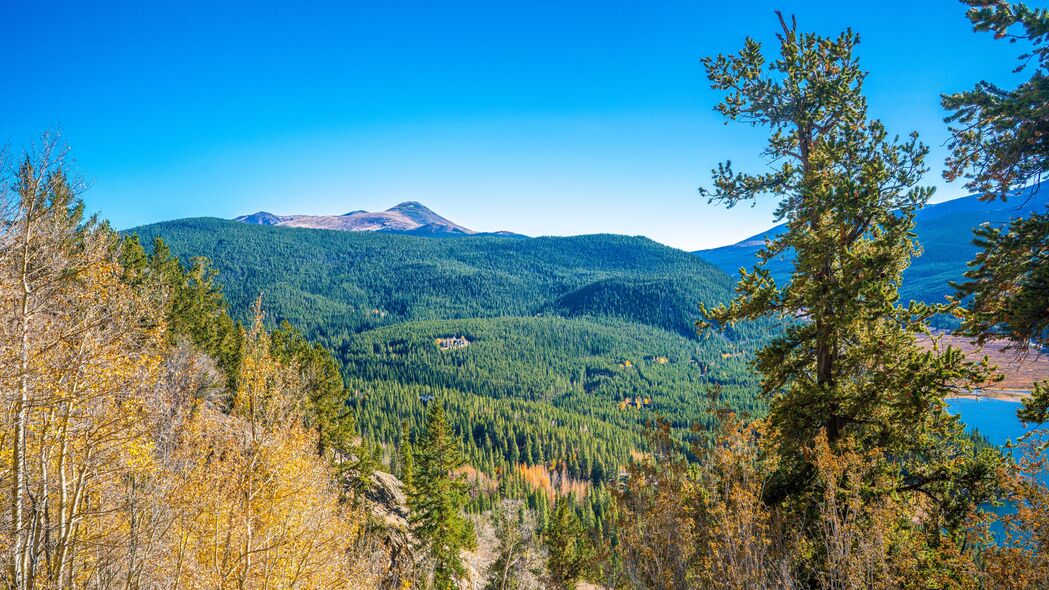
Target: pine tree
x=407 y=457
x=998 y=145
x=438 y=496
x=847 y=367
x=326 y=410
x=568 y=549
x=998 y=133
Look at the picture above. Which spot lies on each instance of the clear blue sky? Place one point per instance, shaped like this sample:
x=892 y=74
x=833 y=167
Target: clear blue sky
x=531 y=116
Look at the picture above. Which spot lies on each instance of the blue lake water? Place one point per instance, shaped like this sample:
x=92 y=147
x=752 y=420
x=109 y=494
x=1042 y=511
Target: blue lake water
x=994 y=418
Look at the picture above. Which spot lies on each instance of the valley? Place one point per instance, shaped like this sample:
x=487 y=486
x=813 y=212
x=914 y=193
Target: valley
x=538 y=345
x=1019 y=371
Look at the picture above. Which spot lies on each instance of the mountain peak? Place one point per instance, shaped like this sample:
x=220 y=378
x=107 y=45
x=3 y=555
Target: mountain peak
x=408 y=217
x=410 y=206
x=260 y=218
x=423 y=215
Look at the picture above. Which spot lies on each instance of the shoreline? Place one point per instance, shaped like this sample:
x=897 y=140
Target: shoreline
x=1007 y=395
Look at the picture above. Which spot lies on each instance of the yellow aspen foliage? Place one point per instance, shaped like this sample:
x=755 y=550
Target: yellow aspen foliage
x=85 y=353
x=1020 y=558
x=684 y=526
x=256 y=504
x=119 y=469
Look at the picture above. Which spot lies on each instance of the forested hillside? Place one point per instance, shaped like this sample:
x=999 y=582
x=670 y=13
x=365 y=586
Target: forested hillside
x=334 y=284
x=204 y=404
x=568 y=394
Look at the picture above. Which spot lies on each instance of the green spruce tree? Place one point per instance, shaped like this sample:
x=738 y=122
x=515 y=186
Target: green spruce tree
x=407 y=457
x=195 y=309
x=568 y=548
x=437 y=498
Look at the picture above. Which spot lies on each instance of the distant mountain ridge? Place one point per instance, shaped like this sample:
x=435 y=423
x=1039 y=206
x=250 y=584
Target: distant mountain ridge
x=944 y=230
x=409 y=217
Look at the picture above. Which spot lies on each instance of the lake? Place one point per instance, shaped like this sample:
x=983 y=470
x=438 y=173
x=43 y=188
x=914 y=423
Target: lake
x=994 y=418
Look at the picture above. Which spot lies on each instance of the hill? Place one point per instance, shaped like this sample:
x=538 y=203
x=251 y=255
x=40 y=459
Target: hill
x=944 y=231
x=336 y=284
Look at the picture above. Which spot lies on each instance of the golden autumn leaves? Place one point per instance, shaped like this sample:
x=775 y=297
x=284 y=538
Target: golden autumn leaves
x=125 y=461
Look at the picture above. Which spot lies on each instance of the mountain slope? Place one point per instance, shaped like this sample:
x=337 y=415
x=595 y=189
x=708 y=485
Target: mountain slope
x=336 y=284
x=944 y=231
x=408 y=217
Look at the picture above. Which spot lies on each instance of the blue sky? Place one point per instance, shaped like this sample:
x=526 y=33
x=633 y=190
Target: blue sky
x=545 y=118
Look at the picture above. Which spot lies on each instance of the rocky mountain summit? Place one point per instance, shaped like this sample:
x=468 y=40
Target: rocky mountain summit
x=410 y=217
